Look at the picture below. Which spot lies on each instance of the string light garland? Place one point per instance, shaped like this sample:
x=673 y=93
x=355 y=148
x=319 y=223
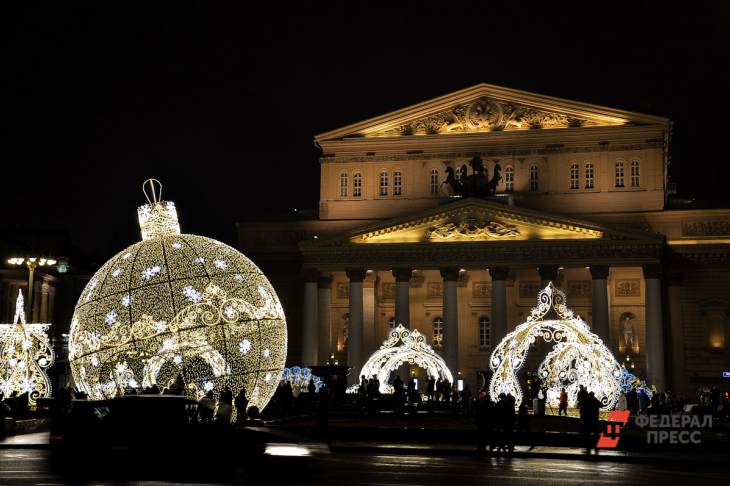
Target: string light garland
x=578 y=356
x=299 y=377
x=25 y=355
x=403 y=345
x=177 y=306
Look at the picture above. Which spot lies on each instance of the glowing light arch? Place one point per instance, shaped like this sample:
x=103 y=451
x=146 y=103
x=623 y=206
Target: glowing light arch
x=578 y=357
x=404 y=345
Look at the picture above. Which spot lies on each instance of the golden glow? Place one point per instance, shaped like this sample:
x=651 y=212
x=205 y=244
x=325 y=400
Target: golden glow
x=178 y=305
x=449 y=229
x=25 y=354
x=708 y=241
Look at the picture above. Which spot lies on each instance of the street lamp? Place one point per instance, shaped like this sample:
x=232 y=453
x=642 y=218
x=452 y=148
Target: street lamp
x=31 y=263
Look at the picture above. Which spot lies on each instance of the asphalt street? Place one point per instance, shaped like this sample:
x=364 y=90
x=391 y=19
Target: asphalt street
x=29 y=467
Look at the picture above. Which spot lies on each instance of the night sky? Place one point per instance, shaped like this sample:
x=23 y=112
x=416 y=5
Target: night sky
x=222 y=105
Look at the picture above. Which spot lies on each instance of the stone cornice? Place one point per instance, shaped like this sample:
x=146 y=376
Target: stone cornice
x=476 y=255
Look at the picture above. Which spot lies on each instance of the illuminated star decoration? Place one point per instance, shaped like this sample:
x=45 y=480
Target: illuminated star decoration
x=403 y=345
x=183 y=305
x=25 y=355
x=578 y=356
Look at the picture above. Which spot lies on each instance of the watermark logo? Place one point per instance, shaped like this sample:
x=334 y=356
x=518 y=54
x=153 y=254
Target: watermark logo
x=610 y=436
x=674 y=429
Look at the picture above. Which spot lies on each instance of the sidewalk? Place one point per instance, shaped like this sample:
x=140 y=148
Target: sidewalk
x=32 y=440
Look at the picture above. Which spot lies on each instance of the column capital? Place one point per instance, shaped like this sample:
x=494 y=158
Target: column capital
x=355 y=274
x=450 y=274
x=324 y=281
x=599 y=272
x=310 y=274
x=499 y=273
x=402 y=274
x=652 y=270
x=548 y=272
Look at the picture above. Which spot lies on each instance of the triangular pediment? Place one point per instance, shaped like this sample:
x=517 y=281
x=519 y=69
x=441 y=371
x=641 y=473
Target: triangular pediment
x=479 y=221
x=488 y=108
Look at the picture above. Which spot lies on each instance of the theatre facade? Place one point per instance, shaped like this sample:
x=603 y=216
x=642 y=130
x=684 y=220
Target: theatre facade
x=578 y=196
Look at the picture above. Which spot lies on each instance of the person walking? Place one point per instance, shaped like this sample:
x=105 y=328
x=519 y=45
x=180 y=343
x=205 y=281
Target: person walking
x=206 y=406
x=563 y=405
x=241 y=403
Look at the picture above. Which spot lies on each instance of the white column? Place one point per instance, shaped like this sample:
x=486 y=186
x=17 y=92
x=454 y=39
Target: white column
x=654 y=327
x=368 y=316
x=309 y=318
x=324 y=294
x=599 y=303
x=499 y=305
x=402 y=296
x=451 y=318
x=354 y=331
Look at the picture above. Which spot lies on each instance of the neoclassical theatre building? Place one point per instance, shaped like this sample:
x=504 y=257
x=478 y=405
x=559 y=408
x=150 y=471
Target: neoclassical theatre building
x=581 y=200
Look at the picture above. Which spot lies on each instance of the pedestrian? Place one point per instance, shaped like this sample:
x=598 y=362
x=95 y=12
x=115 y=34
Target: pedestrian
x=241 y=403
x=485 y=422
x=206 y=405
x=466 y=400
x=323 y=408
x=225 y=407
x=563 y=405
x=311 y=388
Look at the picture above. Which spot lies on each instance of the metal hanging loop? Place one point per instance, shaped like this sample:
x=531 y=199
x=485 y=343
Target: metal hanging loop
x=155 y=191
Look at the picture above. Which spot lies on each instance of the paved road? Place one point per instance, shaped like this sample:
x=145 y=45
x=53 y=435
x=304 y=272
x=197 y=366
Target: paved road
x=28 y=467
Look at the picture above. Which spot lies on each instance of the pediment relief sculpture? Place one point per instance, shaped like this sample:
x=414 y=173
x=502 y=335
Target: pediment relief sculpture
x=471 y=228
x=483 y=115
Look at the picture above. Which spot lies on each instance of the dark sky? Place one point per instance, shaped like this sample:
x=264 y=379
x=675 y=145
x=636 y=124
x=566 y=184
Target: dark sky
x=222 y=105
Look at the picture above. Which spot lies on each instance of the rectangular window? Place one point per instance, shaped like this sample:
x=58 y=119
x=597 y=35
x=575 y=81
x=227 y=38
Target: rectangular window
x=574 y=176
x=634 y=173
x=533 y=179
x=357 y=184
x=397 y=183
x=509 y=179
x=589 y=176
x=343 y=184
x=484 y=332
x=438 y=332
x=619 y=174
x=434 y=182
x=383 y=183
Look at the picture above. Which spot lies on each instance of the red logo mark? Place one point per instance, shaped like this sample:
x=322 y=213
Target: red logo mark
x=609 y=437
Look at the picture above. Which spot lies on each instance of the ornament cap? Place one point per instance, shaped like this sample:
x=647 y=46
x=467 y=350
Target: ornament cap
x=157 y=217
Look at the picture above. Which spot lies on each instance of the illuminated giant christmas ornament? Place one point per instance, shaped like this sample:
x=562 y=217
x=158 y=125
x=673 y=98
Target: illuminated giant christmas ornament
x=403 y=345
x=177 y=305
x=25 y=354
x=578 y=357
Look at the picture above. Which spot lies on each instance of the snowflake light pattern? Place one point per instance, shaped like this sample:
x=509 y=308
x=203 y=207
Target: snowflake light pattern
x=578 y=356
x=25 y=355
x=187 y=316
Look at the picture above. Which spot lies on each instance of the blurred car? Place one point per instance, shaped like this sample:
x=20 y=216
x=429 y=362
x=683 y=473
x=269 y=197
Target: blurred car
x=158 y=437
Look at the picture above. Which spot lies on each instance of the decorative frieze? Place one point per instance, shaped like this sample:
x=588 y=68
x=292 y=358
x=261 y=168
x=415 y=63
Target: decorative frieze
x=434 y=290
x=481 y=290
x=342 y=290
x=528 y=290
x=579 y=289
x=627 y=287
x=388 y=291
x=471 y=228
x=706 y=228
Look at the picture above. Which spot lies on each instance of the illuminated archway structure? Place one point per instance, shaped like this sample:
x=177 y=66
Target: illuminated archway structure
x=578 y=356
x=404 y=345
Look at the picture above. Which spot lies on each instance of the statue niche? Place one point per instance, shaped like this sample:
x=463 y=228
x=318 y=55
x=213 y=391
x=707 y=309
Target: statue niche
x=477 y=184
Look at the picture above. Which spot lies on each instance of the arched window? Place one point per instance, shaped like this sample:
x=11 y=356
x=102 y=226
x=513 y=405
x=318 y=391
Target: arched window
x=438 y=331
x=357 y=184
x=383 y=183
x=574 y=176
x=391 y=322
x=619 y=174
x=484 y=332
x=343 y=184
x=397 y=183
x=509 y=179
x=434 y=182
x=533 y=179
x=635 y=179
x=589 y=176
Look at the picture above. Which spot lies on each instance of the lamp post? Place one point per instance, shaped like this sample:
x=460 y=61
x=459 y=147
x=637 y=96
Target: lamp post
x=31 y=263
